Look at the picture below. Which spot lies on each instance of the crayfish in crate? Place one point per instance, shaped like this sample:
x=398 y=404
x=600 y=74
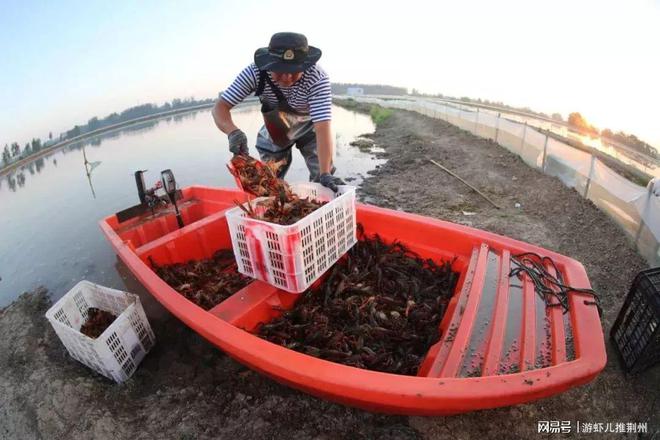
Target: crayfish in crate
x=260 y=179
x=281 y=210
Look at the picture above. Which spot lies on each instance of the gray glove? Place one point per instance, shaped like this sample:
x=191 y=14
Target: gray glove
x=238 y=142
x=330 y=181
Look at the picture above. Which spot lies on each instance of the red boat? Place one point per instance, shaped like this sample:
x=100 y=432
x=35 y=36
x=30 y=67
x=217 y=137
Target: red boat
x=500 y=343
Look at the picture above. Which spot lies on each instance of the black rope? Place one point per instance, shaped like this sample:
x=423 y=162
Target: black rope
x=546 y=285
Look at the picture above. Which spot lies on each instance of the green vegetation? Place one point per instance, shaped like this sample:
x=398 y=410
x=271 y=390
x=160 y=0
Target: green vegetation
x=349 y=103
x=579 y=123
x=631 y=141
x=6 y=155
x=380 y=114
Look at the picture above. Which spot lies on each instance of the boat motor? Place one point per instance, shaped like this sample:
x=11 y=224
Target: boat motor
x=147 y=196
x=169 y=185
x=150 y=201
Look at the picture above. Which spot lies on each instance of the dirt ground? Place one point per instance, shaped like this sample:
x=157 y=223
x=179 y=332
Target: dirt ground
x=187 y=389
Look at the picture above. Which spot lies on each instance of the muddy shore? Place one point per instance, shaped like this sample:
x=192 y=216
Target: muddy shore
x=187 y=389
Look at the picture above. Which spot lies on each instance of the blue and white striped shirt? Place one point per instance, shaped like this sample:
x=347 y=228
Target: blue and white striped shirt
x=311 y=94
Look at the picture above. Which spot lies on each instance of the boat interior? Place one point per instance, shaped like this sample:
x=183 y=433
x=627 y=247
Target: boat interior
x=495 y=324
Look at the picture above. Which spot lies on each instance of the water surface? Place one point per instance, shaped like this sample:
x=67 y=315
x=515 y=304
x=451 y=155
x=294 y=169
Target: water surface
x=49 y=209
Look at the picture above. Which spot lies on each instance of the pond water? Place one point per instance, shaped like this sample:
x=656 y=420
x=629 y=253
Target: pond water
x=620 y=152
x=49 y=209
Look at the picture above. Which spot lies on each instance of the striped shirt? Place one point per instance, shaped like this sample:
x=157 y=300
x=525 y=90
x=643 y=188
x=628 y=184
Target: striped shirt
x=309 y=95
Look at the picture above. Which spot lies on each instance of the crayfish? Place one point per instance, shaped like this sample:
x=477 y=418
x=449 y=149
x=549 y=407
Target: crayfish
x=379 y=309
x=205 y=282
x=260 y=179
x=97 y=321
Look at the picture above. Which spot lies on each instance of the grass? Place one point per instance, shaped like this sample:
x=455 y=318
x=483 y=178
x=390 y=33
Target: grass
x=349 y=103
x=380 y=114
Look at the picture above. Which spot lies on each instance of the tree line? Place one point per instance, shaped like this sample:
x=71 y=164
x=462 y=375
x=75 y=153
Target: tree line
x=13 y=152
x=577 y=122
x=580 y=124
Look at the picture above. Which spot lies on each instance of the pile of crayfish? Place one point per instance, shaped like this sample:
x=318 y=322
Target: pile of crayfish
x=205 y=282
x=97 y=321
x=379 y=309
x=260 y=179
x=281 y=210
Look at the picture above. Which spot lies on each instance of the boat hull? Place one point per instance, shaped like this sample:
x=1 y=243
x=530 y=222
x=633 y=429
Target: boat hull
x=570 y=348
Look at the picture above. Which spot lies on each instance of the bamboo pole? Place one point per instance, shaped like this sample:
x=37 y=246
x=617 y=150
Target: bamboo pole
x=468 y=185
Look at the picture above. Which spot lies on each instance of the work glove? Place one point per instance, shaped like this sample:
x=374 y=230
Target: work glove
x=330 y=181
x=238 y=142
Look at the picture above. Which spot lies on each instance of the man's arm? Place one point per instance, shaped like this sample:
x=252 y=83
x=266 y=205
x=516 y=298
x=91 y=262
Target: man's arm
x=324 y=145
x=244 y=84
x=320 y=110
x=222 y=116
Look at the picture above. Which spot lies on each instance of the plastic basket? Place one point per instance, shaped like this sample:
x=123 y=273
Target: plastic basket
x=636 y=331
x=234 y=173
x=117 y=352
x=293 y=257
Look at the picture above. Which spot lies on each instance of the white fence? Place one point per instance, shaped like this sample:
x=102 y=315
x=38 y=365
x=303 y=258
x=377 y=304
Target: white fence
x=631 y=206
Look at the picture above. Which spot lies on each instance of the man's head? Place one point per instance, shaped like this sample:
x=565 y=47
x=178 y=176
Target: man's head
x=287 y=53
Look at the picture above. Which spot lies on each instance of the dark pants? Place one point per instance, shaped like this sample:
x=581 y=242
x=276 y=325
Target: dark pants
x=307 y=146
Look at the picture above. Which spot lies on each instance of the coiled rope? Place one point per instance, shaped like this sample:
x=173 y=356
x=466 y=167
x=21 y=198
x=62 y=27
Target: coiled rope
x=548 y=286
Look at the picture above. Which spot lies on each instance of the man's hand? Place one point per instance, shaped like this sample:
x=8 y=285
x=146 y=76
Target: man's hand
x=238 y=142
x=330 y=181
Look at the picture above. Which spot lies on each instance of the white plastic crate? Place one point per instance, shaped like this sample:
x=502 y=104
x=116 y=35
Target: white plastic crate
x=118 y=351
x=293 y=257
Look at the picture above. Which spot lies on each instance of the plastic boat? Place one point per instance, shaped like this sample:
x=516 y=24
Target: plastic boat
x=500 y=344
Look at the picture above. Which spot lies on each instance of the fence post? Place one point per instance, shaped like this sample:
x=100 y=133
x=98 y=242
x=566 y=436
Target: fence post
x=545 y=153
x=476 y=123
x=497 y=127
x=522 y=141
x=639 y=231
x=591 y=172
x=446 y=114
x=649 y=191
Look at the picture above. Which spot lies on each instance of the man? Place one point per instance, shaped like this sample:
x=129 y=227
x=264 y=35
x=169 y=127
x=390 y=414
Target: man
x=295 y=103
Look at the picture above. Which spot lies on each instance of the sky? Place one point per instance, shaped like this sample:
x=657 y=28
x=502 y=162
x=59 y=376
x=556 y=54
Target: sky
x=62 y=63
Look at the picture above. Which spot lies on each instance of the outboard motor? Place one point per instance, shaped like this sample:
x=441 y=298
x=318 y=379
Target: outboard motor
x=150 y=201
x=169 y=185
